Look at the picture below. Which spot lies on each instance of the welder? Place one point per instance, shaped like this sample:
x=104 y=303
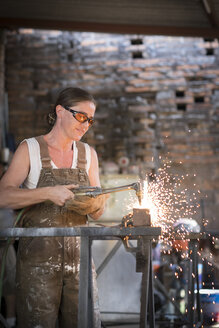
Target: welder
x=49 y=167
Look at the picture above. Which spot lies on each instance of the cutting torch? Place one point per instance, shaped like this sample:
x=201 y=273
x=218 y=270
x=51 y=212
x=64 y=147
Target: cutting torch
x=96 y=191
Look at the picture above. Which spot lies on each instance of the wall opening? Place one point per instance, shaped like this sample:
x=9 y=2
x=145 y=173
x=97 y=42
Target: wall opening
x=181 y=107
x=199 y=99
x=138 y=41
x=180 y=94
x=209 y=51
x=137 y=55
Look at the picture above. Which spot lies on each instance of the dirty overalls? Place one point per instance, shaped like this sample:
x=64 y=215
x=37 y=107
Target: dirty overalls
x=48 y=267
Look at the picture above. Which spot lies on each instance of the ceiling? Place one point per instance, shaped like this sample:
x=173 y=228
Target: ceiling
x=149 y=17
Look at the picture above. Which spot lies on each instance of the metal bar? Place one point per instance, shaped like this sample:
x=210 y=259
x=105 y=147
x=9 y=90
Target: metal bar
x=83 y=283
x=90 y=290
x=211 y=233
x=93 y=232
x=145 y=282
x=108 y=258
x=191 y=235
x=151 y=293
x=198 y=297
x=191 y=285
x=198 y=301
x=150 y=232
x=162 y=288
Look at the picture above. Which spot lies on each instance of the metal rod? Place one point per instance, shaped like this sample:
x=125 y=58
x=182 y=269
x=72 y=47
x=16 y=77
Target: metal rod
x=108 y=257
x=145 y=264
x=191 y=285
x=198 y=300
x=83 y=283
x=91 y=323
x=164 y=291
x=162 y=288
x=151 y=308
x=94 y=232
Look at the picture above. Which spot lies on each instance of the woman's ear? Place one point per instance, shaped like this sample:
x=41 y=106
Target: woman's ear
x=59 y=110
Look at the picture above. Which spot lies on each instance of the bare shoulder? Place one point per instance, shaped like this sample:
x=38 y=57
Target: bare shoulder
x=94 y=157
x=94 y=169
x=21 y=154
x=18 y=168
x=93 y=151
x=23 y=147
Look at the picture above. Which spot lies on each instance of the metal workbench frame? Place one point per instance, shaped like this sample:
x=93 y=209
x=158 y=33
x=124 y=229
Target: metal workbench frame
x=88 y=234
x=193 y=318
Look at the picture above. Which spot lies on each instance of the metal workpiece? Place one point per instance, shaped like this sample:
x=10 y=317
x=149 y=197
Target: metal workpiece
x=141 y=217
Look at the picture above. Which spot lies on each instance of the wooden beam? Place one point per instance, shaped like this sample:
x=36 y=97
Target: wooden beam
x=209 y=11
x=13 y=23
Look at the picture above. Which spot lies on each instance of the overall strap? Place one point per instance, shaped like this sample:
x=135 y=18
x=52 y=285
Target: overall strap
x=44 y=153
x=82 y=161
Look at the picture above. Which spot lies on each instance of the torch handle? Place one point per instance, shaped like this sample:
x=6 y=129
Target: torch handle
x=96 y=191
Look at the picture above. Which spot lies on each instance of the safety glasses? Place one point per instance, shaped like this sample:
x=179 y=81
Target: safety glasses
x=80 y=117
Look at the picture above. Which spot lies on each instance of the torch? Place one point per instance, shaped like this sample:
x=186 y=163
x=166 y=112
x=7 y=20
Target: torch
x=96 y=191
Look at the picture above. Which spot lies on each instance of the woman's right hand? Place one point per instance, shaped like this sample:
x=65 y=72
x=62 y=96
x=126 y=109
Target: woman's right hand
x=61 y=193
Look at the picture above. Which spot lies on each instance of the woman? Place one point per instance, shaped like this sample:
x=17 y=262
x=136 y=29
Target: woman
x=49 y=167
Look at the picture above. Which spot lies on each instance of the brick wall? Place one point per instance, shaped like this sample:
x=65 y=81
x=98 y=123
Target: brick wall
x=158 y=99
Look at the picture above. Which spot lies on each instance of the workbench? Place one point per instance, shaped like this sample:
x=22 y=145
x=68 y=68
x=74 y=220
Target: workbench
x=87 y=234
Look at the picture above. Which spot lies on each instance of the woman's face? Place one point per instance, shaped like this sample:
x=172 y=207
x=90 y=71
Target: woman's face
x=72 y=128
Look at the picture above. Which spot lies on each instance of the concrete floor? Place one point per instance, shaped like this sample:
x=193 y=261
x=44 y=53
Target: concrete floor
x=157 y=326
x=137 y=326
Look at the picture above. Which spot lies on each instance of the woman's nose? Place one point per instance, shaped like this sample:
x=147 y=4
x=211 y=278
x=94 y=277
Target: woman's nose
x=85 y=125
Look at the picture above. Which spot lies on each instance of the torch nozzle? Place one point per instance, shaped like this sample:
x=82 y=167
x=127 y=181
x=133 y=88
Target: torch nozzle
x=139 y=195
x=139 y=191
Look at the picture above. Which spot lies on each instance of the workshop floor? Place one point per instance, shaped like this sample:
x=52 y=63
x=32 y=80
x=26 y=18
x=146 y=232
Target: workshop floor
x=157 y=326
x=137 y=326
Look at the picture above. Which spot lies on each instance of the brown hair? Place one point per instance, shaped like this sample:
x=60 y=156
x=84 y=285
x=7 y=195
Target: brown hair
x=69 y=97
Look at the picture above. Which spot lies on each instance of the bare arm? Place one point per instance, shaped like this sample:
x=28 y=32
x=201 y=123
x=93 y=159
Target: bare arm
x=95 y=180
x=12 y=196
